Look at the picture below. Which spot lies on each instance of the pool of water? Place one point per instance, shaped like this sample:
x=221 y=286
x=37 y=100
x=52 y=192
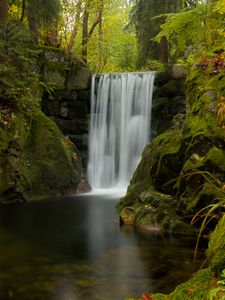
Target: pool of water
x=73 y=248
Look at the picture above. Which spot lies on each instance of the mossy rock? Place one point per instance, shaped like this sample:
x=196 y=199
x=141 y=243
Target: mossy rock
x=37 y=160
x=176 y=161
x=197 y=288
x=199 y=146
x=156 y=211
x=216 y=249
x=155 y=163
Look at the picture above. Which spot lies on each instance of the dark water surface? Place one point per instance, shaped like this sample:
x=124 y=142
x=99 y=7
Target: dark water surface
x=74 y=249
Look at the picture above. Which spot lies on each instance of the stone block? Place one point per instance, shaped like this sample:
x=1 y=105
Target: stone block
x=67 y=126
x=79 y=79
x=55 y=78
x=75 y=109
x=178 y=71
x=84 y=95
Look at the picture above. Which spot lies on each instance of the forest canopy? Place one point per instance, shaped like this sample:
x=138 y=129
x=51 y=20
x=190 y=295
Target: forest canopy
x=122 y=35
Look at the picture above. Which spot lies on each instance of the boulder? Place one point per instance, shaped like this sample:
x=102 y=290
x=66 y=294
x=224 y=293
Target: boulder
x=32 y=151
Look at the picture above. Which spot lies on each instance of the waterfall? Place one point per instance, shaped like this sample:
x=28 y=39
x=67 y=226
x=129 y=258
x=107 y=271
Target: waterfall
x=119 y=126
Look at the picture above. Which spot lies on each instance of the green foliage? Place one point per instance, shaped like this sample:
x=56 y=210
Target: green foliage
x=44 y=12
x=118 y=47
x=43 y=17
x=219 y=291
x=147 y=16
x=196 y=288
x=18 y=76
x=194 y=30
x=112 y=45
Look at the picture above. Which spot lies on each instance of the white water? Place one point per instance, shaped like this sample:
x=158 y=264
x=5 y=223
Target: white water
x=119 y=127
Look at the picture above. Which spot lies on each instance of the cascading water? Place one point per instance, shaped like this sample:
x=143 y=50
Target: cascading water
x=119 y=126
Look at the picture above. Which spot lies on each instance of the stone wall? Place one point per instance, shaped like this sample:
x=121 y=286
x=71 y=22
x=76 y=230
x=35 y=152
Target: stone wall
x=168 y=107
x=67 y=97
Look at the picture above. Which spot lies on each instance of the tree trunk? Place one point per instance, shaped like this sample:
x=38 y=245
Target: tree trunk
x=4 y=6
x=34 y=28
x=88 y=33
x=23 y=10
x=164 y=50
x=75 y=26
x=85 y=34
x=100 y=38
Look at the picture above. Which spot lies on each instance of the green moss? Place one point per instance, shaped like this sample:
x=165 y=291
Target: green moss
x=36 y=159
x=197 y=288
x=127 y=215
x=152 y=164
x=216 y=249
x=44 y=154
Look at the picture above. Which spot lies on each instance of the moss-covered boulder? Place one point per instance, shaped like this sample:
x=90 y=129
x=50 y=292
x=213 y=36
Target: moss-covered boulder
x=37 y=160
x=184 y=164
x=216 y=249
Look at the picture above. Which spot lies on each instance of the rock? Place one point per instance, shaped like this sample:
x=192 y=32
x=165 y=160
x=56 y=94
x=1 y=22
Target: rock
x=179 y=71
x=212 y=94
x=63 y=109
x=181 y=162
x=178 y=120
x=127 y=216
x=78 y=80
x=67 y=126
x=216 y=249
x=40 y=162
x=168 y=101
x=212 y=107
x=69 y=101
x=73 y=110
x=68 y=96
x=84 y=95
x=54 y=78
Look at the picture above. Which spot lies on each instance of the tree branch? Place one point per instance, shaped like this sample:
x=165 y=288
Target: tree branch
x=95 y=23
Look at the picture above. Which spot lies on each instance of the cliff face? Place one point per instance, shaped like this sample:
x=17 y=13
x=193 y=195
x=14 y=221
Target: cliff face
x=176 y=175
x=36 y=159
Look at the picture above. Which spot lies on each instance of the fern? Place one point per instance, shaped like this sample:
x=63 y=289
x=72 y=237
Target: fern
x=18 y=55
x=192 y=30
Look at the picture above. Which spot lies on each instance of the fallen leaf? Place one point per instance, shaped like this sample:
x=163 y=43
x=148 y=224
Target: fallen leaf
x=146 y=297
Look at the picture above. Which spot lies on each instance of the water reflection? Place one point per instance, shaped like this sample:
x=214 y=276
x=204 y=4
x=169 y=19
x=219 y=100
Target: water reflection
x=74 y=248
